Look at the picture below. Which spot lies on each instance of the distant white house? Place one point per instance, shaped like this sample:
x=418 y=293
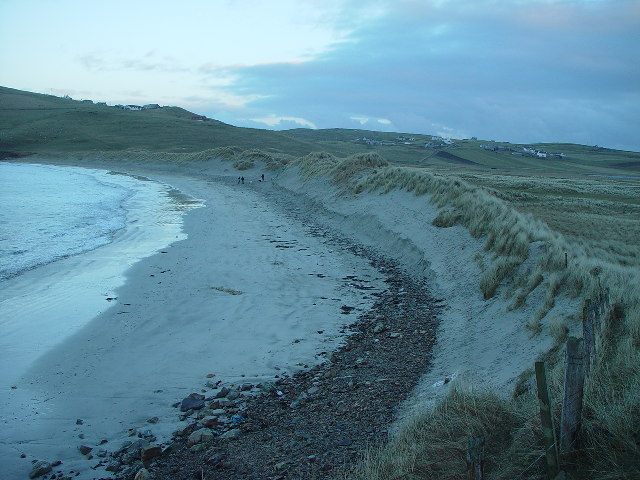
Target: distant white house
x=150 y=106
x=132 y=107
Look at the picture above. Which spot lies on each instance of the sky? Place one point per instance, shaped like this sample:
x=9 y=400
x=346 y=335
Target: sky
x=521 y=71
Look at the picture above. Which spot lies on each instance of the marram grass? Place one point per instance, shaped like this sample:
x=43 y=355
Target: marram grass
x=579 y=265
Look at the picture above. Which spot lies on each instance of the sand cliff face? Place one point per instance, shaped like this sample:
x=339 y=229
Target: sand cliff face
x=482 y=343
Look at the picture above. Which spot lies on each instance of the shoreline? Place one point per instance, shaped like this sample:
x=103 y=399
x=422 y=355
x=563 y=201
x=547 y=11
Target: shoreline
x=480 y=342
x=147 y=350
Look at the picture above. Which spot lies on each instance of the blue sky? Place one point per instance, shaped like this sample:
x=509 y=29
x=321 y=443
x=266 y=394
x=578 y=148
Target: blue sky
x=519 y=70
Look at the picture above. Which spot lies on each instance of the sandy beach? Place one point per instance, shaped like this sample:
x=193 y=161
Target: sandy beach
x=250 y=294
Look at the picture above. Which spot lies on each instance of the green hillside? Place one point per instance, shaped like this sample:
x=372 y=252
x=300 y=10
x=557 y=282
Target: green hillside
x=31 y=122
x=36 y=123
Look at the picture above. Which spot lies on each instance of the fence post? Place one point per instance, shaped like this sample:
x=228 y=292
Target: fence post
x=546 y=419
x=475 y=457
x=588 y=335
x=571 y=419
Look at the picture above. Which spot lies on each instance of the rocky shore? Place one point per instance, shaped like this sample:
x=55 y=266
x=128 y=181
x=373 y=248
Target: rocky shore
x=310 y=425
x=318 y=422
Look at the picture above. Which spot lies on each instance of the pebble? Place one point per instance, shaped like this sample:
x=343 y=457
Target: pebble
x=379 y=328
x=113 y=467
x=211 y=421
x=201 y=435
x=194 y=401
x=224 y=391
x=84 y=449
x=149 y=453
x=215 y=459
x=233 y=433
x=40 y=468
x=142 y=474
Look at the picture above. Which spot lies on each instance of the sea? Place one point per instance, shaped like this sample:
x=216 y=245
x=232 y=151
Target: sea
x=68 y=235
x=51 y=212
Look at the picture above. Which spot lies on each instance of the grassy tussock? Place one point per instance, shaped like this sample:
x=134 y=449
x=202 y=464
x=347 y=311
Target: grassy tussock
x=434 y=445
x=340 y=170
x=272 y=160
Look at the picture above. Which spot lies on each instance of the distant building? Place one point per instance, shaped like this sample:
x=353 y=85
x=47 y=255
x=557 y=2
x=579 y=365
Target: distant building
x=101 y=103
x=200 y=118
x=87 y=101
x=132 y=107
x=150 y=106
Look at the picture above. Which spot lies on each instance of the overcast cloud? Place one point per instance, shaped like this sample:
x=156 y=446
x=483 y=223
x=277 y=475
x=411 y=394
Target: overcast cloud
x=524 y=72
x=520 y=71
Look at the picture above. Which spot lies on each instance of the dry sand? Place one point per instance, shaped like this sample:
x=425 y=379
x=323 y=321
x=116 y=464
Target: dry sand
x=169 y=327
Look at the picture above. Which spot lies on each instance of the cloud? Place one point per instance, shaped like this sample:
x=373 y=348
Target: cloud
x=371 y=122
x=519 y=71
x=150 y=62
x=284 y=122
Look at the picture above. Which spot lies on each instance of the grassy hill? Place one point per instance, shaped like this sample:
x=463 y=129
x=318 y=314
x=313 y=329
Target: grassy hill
x=31 y=122
x=36 y=123
x=466 y=154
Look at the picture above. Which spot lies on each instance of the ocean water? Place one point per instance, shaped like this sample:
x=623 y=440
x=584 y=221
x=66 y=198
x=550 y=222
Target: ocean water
x=49 y=212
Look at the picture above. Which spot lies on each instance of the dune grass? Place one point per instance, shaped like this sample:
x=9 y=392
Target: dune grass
x=511 y=215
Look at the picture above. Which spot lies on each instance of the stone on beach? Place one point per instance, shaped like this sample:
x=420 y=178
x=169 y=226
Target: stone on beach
x=149 y=453
x=200 y=436
x=194 y=401
x=40 y=468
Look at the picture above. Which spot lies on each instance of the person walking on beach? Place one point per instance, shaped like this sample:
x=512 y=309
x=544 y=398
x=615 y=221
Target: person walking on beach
x=242 y=178
x=263 y=177
x=238 y=180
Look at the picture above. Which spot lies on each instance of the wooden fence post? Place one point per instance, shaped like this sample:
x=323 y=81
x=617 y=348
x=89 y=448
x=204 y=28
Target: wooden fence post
x=546 y=419
x=475 y=457
x=588 y=335
x=571 y=419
